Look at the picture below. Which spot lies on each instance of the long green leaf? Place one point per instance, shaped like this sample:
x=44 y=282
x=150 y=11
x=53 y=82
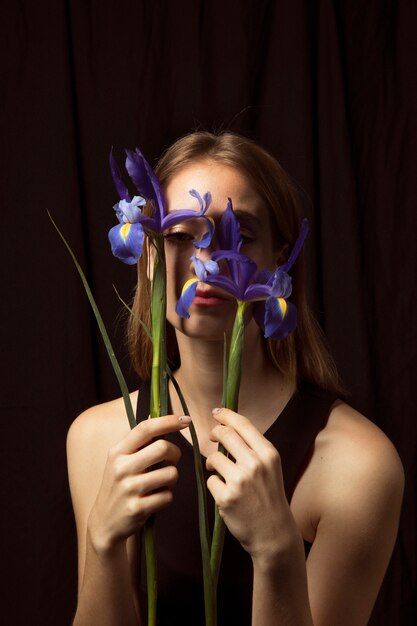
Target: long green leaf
x=131 y=311
x=205 y=539
x=119 y=375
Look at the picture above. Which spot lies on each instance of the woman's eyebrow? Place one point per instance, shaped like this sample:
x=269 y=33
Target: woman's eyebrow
x=248 y=218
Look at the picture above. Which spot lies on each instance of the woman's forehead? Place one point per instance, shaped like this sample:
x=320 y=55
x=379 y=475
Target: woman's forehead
x=220 y=180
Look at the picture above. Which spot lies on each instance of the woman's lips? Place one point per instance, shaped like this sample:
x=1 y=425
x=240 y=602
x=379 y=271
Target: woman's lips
x=209 y=297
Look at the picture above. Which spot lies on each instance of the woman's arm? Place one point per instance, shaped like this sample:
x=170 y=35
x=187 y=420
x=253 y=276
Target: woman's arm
x=251 y=499
x=357 y=481
x=112 y=493
x=349 y=499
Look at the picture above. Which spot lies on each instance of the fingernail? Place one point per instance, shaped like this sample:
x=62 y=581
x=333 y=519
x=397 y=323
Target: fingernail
x=216 y=410
x=184 y=419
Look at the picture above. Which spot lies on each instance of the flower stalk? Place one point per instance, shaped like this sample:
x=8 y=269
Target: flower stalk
x=204 y=531
x=231 y=394
x=159 y=390
x=234 y=371
x=127 y=240
x=158 y=403
x=210 y=608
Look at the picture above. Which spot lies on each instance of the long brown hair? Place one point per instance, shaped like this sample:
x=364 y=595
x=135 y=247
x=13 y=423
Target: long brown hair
x=303 y=355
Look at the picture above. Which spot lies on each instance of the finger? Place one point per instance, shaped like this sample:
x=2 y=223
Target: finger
x=218 y=462
x=154 y=502
x=149 y=429
x=233 y=443
x=217 y=489
x=158 y=479
x=244 y=427
x=158 y=451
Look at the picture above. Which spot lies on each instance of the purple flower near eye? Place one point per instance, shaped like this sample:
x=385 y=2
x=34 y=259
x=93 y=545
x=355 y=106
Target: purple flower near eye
x=127 y=237
x=269 y=291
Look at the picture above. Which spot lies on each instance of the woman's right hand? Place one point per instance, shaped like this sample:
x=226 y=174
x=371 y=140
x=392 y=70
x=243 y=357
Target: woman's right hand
x=132 y=488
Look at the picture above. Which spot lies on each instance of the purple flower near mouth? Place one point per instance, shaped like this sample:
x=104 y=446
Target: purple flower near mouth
x=127 y=237
x=269 y=291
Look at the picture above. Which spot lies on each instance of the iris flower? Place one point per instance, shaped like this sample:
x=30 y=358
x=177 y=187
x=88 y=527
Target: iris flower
x=127 y=242
x=269 y=291
x=127 y=237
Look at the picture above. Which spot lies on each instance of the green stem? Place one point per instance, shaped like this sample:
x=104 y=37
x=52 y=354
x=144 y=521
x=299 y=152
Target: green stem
x=231 y=396
x=158 y=404
x=234 y=370
x=150 y=554
x=209 y=589
x=159 y=390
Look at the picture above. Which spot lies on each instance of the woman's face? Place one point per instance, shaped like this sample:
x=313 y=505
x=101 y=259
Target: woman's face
x=212 y=312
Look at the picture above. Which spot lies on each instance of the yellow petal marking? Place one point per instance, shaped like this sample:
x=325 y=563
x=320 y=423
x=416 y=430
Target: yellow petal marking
x=124 y=231
x=188 y=283
x=283 y=306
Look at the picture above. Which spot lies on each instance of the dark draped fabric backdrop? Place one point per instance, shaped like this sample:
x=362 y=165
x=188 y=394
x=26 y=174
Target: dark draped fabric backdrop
x=329 y=87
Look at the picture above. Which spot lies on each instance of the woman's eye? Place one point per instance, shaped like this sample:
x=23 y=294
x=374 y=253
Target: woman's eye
x=178 y=237
x=247 y=238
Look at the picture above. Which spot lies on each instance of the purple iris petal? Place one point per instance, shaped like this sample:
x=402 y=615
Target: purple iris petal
x=126 y=242
x=242 y=269
x=231 y=255
x=226 y=283
x=229 y=229
x=204 y=201
x=204 y=268
x=282 y=285
x=205 y=240
x=176 y=217
x=186 y=299
x=297 y=246
x=145 y=181
x=247 y=271
x=117 y=178
x=129 y=211
x=267 y=290
x=133 y=215
x=277 y=324
x=257 y=291
x=264 y=277
x=182 y=215
x=229 y=238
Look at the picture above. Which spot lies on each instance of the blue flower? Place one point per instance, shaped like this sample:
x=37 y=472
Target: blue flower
x=269 y=291
x=127 y=237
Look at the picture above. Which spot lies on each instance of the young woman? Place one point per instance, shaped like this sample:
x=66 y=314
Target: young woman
x=311 y=496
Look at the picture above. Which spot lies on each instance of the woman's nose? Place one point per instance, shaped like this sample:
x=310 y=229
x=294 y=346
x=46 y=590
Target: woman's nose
x=202 y=254
x=205 y=253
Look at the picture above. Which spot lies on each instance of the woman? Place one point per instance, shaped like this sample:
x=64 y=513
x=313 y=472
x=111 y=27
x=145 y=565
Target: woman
x=308 y=474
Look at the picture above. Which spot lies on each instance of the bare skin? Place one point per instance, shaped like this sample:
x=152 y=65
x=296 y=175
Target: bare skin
x=346 y=503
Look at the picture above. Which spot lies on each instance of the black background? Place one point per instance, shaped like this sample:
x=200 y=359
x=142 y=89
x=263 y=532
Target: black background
x=328 y=87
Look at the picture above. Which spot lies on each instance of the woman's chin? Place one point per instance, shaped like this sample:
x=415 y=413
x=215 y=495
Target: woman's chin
x=206 y=326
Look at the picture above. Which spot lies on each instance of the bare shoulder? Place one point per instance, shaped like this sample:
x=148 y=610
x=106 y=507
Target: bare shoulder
x=354 y=470
x=347 y=504
x=103 y=424
x=89 y=440
x=353 y=444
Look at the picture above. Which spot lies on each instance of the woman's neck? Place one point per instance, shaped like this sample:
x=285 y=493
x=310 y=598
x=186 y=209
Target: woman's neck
x=200 y=376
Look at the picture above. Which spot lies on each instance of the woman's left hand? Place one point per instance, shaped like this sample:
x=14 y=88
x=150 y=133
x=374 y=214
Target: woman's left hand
x=249 y=491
